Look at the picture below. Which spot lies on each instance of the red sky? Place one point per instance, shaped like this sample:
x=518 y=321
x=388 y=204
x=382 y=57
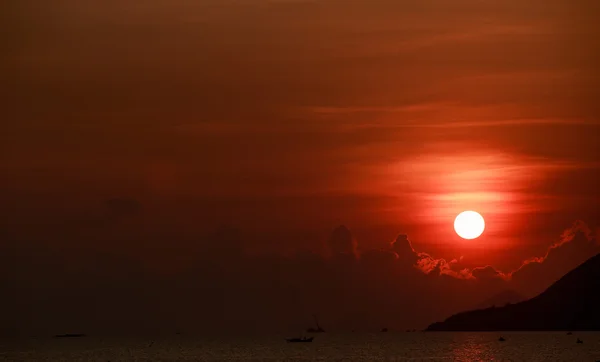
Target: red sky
x=288 y=118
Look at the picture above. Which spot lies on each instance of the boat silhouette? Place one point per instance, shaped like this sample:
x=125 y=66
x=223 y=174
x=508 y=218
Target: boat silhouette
x=315 y=330
x=300 y=340
x=69 y=335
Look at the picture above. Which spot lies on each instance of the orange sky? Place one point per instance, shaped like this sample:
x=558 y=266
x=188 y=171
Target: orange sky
x=291 y=117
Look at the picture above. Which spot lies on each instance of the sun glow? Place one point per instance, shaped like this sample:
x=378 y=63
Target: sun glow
x=469 y=224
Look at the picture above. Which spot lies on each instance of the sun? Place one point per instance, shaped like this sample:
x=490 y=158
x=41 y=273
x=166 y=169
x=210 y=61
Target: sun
x=469 y=224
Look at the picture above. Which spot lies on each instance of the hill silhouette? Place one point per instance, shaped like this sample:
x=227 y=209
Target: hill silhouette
x=501 y=299
x=571 y=303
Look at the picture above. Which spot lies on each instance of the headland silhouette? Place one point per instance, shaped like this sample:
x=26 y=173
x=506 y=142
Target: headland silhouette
x=569 y=304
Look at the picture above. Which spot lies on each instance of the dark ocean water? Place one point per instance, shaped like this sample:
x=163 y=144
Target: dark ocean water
x=418 y=346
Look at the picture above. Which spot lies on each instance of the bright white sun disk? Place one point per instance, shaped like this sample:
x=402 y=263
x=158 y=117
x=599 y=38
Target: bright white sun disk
x=469 y=224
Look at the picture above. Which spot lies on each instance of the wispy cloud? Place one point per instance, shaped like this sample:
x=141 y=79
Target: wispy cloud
x=431 y=265
x=429 y=114
x=566 y=237
x=503 y=123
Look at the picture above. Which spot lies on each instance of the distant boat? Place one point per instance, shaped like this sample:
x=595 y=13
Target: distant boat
x=569 y=333
x=315 y=330
x=501 y=339
x=300 y=340
x=384 y=329
x=579 y=340
x=69 y=335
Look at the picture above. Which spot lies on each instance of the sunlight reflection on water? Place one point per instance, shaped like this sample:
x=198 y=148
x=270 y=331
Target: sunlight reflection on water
x=330 y=347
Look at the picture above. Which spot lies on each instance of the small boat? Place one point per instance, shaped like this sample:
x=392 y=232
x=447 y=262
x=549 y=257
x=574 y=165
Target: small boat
x=300 y=340
x=579 y=340
x=383 y=330
x=569 y=333
x=501 y=339
x=315 y=330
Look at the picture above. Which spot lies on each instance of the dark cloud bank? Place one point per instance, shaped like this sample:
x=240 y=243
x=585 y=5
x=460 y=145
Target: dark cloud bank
x=220 y=287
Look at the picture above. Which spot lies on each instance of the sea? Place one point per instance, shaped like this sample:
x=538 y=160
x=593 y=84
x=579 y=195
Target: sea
x=391 y=346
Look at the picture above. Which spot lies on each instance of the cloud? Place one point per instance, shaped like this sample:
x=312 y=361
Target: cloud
x=426 y=263
x=578 y=232
x=506 y=123
x=342 y=242
x=488 y=272
x=430 y=115
x=403 y=248
x=575 y=245
x=440 y=267
x=376 y=284
x=422 y=261
x=432 y=266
